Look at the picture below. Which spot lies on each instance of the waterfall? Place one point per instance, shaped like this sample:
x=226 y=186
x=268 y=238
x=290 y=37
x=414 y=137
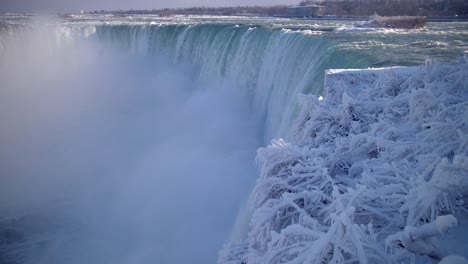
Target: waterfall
x=135 y=144
x=270 y=67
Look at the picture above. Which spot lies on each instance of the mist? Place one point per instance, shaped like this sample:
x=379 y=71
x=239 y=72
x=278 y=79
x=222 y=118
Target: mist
x=112 y=157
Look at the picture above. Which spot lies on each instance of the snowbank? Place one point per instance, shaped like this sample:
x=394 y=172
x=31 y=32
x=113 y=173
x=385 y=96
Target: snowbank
x=386 y=149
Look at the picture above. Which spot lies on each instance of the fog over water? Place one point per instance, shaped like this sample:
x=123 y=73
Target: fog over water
x=117 y=157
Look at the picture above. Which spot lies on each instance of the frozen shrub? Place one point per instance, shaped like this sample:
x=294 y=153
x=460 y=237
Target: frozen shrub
x=383 y=158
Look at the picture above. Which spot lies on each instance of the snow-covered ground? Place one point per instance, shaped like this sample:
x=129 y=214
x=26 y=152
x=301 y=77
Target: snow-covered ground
x=376 y=172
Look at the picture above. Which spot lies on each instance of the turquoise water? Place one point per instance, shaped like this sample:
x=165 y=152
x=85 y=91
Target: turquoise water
x=443 y=41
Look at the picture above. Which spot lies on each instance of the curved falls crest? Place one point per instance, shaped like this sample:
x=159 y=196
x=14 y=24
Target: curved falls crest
x=135 y=144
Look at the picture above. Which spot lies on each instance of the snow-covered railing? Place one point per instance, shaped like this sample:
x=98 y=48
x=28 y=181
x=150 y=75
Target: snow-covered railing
x=384 y=150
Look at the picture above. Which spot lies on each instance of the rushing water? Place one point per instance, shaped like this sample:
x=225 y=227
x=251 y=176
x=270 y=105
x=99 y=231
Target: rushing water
x=132 y=139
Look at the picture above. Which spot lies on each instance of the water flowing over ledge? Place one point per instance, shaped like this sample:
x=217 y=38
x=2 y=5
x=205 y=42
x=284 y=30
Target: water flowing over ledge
x=126 y=141
x=385 y=149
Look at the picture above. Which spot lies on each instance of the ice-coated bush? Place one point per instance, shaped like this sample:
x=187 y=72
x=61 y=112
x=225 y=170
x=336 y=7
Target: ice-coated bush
x=385 y=152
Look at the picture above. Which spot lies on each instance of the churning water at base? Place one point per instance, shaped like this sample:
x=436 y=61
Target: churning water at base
x=130 y=143
x=115 y=158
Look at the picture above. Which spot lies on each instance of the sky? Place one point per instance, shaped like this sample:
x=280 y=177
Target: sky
x=89 y=5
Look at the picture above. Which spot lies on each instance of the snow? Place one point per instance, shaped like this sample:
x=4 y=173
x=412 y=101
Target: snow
x=423 y=240
x=382 y=158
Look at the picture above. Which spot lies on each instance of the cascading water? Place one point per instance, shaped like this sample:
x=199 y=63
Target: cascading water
x=270 y=67
x=134 y=143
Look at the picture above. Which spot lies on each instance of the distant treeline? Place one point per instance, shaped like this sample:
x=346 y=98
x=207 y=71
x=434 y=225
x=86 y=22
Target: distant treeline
x=430 y=8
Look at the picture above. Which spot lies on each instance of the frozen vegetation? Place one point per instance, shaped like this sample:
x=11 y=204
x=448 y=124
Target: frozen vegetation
x=376 y=172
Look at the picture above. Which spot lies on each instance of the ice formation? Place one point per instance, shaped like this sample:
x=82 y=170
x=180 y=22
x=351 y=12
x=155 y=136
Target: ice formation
x=382 y=158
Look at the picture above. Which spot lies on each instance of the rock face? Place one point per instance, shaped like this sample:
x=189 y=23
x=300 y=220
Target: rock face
x=407 y=22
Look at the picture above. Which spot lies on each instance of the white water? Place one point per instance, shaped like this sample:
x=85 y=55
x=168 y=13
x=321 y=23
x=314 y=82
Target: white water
x=116 y=158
